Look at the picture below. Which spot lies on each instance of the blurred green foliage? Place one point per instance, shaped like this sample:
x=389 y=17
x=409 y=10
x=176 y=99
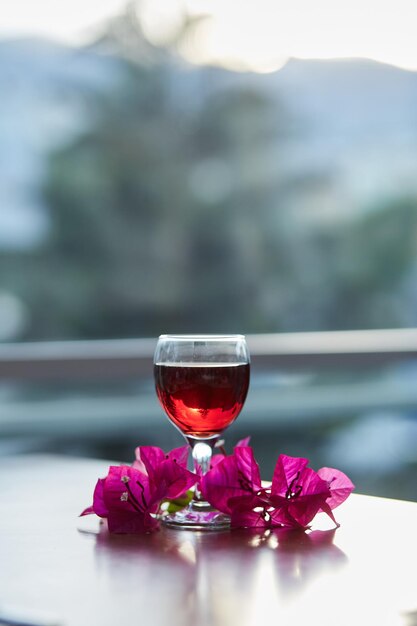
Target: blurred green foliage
x=172 y=214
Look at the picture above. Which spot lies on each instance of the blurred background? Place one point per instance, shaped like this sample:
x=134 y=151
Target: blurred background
x=223 y=166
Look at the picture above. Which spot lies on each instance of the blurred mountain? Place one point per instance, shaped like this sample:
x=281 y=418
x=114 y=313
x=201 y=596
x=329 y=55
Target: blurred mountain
x=353 y=122
x=353 y=126
x=357 y=97
x=357 y=122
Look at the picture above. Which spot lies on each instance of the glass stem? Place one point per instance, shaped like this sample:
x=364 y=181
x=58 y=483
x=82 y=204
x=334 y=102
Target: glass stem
x=202 y=450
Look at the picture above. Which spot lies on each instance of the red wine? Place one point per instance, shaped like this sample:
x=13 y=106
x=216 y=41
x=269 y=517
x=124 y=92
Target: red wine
x=202 y=399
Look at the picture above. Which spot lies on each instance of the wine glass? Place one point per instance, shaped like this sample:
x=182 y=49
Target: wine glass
x=201 y=382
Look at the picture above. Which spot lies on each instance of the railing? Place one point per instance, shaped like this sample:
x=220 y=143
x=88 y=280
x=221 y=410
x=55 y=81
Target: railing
x=131 y=358
x=72 y=403
x=94 y=397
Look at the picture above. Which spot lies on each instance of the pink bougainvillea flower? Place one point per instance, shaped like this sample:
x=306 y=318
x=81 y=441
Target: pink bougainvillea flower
x=125 y=499
x=150 y=457
x=339 y=484
x=218 y=458
x=298 y=490
x=235 y=476
x=234 y=487
x=296 y=495
x=129 y=497
x=167 y=473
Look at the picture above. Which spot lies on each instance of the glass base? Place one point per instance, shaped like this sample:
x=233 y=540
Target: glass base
x=197 y=516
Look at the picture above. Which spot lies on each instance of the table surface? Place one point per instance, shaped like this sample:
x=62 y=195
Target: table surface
x=71 y=572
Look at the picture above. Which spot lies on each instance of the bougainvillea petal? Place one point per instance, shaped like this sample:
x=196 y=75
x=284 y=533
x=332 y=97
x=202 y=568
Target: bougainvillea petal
x=171 y=480
x=126 y=489
x=286 y=471
x=248 y=467
x=305 y=492
x=140 y=466
x=180 y=455
x=150 y=456
x=282 y=514
x=128 y=498
x=98 y=499
x=327 y=509
x=340 y=485
x=223 y=482
x=243 y=442
x=305 y=508
x=235 y=476
x=88 y=511
x=98 y=507
x=248 y=518
x=130 y=523
x=251 y=512
x=216 y=459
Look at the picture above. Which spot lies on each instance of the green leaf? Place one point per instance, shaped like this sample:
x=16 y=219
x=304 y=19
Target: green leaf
x=178 y=503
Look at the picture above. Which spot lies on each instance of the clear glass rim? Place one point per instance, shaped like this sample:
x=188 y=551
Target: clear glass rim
x=203 y=337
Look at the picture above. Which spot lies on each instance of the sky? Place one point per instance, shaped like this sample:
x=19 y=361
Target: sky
x=258 y=35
